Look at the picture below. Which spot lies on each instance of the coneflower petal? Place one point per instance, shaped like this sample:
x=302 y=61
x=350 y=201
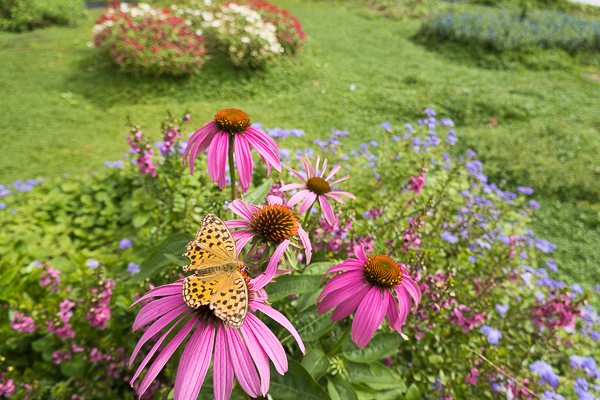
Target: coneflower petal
x=268 y=342
x=165 y=290
x=282 y=320
x=243 y=161
x=222 y=368
x=260 y=358
x=242 y=209
x=194 y=362
x=298 y=197
x=350 y=305
x=243 y=366
x=291 y=186
x=333 y=171
x=155 y=309
x=260 y=281
x=309 y=200
x=327 y=211
x=165 y=354
x=306 y=243
x=369 y=316
x=412 y=288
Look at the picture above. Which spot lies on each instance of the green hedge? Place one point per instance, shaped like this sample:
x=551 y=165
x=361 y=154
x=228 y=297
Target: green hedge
x=24 y=15
x=502 y=30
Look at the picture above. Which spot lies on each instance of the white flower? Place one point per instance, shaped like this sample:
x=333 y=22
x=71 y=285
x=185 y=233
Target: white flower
x=245 y=39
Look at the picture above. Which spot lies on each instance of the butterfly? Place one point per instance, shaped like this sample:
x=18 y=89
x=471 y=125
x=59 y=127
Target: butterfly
x=217 y=281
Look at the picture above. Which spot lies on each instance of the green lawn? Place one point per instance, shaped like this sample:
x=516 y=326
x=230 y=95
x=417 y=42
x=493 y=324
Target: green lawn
x=65 y=110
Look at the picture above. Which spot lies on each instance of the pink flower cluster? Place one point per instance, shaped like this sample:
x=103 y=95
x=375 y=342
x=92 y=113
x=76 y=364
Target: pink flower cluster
x=332 y=238
x=411 y=235
x=417 y=183
x=171 y=133
x=559 y=311
x=23 y=323
x=466 y=318
x=61 y=327
x=98 y=313
x=143 y=151
x=7 y=386
x=50 y=277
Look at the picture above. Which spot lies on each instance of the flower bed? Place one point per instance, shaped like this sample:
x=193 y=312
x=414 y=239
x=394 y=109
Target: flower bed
x=401 y=272
x=502 y=30
x=172 y=40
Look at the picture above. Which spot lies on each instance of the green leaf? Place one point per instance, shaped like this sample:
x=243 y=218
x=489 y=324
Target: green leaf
x=75 y=367
x=319 y=268
x=382 y=345
x=340 y=389
x=376 y=376
x=295 y=384
x=172 y=246
x=315 y=362
x=311 y=325
x=257 y=196
x=413 y=393
x=292 y=284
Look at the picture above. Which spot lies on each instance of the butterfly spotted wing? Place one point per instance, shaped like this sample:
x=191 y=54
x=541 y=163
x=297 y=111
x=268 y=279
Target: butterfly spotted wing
x=225 y=292
x=213 y=245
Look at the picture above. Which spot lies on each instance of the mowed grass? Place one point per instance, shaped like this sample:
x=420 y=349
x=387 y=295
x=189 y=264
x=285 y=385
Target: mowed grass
x=64 y=109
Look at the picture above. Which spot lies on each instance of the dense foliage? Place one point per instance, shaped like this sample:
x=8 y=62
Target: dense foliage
x=513 y=29
x=494 y=320
x=24 y=15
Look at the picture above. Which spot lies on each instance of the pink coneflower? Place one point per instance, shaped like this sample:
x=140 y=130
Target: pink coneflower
x=372 y=288
x=272 y=224
x=230 y=136
x=242 y=353
x=317 y=187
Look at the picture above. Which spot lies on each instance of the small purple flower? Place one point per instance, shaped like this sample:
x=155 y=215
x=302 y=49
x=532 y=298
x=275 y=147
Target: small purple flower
x=446 y=122
x=386 y=126
x=133 y=268
x=125 y=244
x=502 y=309
x=449 y=237
x=92 y=264
x=2 y=206
x=551 y=265
x=545 y=373
x=534 y=205
x=525 y=190
x=544 y=246
x=549 y=395
x=493 y=334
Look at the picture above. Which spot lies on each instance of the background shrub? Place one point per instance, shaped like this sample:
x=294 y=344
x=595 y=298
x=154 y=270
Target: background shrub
x=502 y=30
x=154 y=41
x=24 y=15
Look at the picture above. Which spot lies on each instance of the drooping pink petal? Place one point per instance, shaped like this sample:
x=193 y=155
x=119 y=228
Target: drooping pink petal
x=359 y=252
x=271 y=200
x=393 y=315
x=333 y=171
x=327 y=211
x=155 y=348
x=194 y=363
x=337 y=288
x=309 y=200
x=265 y=146
x=222 y=368
x=403 y=303
x=242 y=237
x=310 y=172
x=243 y=366
x=335 y=197
x=261 y=280
x=164 y=355
x=156 y=309
x=339 y=296
x=369 y=316
x=243 y=161
x=291 y=186
x=282 y=320
x=298 y=174
x=237 y=223
x=297 y=197
x=306 y=243
x=260 y=358
x=214 y=158
x=200 y=143
x=411 y=286
x=348 y=265
x=242 y=209
x=156 y=327
x=351 y=304
x=164 y=290
x=268 y=342
x=222 y=155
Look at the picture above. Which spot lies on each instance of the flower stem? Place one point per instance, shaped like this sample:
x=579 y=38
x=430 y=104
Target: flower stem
x=306 y=217
x=231 y=166
x=340 y=342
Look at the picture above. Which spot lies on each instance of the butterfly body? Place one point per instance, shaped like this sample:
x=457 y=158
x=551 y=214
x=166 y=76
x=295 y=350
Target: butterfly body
x=218 y=280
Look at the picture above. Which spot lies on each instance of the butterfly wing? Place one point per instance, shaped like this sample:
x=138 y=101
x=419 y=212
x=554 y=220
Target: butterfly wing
x=230 y=303
x=225 y=292
x=213 y=245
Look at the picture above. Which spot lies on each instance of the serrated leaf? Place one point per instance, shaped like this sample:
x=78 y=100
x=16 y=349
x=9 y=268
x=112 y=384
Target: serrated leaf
x=295 y=384
x=292 y=284
x=257 y=196
x=172 y=246
x=381 y=346
x=315 y=362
